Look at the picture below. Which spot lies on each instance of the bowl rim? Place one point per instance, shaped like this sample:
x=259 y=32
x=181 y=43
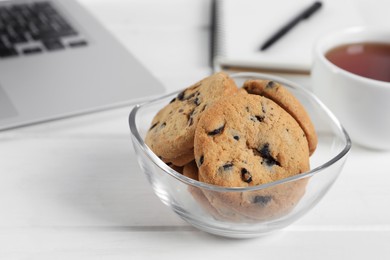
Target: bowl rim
x=159 y=163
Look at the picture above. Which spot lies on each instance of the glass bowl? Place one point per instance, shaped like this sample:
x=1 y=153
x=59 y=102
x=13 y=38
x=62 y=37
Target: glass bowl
x=251 y=211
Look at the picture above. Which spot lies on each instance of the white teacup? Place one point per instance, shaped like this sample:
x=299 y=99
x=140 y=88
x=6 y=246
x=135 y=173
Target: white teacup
x=361 y=104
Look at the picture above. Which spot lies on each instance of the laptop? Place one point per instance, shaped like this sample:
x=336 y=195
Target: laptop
x=57 y=61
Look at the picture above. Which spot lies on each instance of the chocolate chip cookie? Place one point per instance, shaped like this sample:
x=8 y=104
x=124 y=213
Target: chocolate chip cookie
x=247 y=140
x=190 y=170
x=171 y=134
x=247 y=206
x=264 y=204
x=284 y=98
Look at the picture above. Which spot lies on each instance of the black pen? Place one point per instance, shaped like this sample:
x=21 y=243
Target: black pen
x=302 y=16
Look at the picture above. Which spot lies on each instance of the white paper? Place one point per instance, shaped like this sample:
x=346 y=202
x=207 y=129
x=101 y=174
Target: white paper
x=246 y=24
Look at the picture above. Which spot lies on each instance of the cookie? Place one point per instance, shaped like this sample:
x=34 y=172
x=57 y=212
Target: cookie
x=190 y=170
x=284 y=98
x=171 y=134
x=181 y=160
x=252 y=206
x=248 y=206
x=198 y=195
x=221 y=212
x=179 y=169
x=247 y=140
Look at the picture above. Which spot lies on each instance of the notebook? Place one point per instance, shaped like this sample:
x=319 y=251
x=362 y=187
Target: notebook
x=57 y=60
x=241 y=27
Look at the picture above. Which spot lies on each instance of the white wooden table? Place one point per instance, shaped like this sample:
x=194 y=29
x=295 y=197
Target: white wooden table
x=72 y=189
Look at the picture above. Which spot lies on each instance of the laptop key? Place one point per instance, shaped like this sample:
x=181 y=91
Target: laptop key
x=7 y=52
x=78 y=43
x=19 y=38
x=32 y=50
x=53 y=44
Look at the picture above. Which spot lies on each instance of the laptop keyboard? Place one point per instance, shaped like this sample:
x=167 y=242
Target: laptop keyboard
x=33 y=28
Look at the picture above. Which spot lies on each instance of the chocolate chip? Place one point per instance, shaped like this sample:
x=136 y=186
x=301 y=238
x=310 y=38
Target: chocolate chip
x=216 y=131
x=257 y=118
x=153 y=126
x=262 y=200
x=266 y=154
x=197 y=101
x=236 y=137
x=180 y=96
x=270 y=84
x=260 y=118
x=173 y=100
x=201 y=160
x=227 y=167
x=190 y=117
x=245 y=175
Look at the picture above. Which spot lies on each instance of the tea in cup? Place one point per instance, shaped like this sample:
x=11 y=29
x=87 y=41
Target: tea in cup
x=351 y=75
